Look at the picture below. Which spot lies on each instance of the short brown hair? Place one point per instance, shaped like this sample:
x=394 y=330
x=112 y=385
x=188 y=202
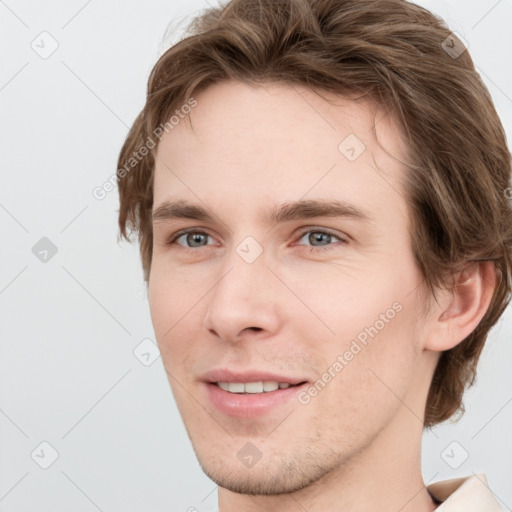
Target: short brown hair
x=394 y=53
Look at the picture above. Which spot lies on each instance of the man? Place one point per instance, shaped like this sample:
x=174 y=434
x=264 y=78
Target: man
x=320 y=194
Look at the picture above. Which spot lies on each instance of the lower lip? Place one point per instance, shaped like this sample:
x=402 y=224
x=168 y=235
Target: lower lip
x=249 y=405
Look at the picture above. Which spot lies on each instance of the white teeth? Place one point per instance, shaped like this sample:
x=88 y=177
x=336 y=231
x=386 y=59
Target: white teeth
x=236 y=387
x=252 y=387
x=270 y=385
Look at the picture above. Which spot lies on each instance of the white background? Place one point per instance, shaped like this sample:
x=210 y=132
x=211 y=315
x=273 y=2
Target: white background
x=69 y=326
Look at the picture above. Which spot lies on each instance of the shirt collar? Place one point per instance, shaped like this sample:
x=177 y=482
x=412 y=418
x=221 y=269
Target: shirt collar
x=467 y=494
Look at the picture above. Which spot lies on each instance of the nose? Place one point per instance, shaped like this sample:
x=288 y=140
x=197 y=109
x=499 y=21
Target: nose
x=245 y=302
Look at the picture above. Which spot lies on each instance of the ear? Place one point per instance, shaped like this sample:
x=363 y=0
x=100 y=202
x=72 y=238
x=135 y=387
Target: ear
x=456 y=315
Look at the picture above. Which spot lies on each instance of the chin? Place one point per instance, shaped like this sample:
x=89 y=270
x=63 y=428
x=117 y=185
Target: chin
x=266 y=478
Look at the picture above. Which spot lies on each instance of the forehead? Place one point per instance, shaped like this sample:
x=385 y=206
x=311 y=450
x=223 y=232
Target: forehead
x=282 y=110
x=281 y=139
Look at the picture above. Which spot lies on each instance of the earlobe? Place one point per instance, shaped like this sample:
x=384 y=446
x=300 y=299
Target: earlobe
x=457 y=316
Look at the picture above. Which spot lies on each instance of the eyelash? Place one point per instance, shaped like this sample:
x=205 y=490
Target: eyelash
x=172 y=239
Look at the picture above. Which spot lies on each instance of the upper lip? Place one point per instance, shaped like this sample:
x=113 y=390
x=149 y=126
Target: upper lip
x=225 y=375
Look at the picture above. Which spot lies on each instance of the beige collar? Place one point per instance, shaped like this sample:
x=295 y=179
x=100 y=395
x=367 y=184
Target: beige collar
x=467 y=494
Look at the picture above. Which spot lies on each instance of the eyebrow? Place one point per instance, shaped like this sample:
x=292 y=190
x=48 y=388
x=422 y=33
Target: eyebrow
x=302 y=209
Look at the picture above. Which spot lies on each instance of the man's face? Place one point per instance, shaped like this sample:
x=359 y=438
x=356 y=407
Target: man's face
x=289 y=300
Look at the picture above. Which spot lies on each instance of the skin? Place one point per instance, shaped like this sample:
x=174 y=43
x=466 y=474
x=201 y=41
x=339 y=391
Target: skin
x=356 y=445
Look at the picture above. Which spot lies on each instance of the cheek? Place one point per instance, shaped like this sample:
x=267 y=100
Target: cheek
x=160 y=303
x=338 y=301
x=168 y=308
x=169 y=294
x=370 y=381
x=380 y=374
x=370 y=344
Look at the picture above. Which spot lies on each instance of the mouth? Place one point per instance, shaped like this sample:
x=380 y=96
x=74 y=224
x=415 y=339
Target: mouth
x=266 y=386
x=250 y=395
